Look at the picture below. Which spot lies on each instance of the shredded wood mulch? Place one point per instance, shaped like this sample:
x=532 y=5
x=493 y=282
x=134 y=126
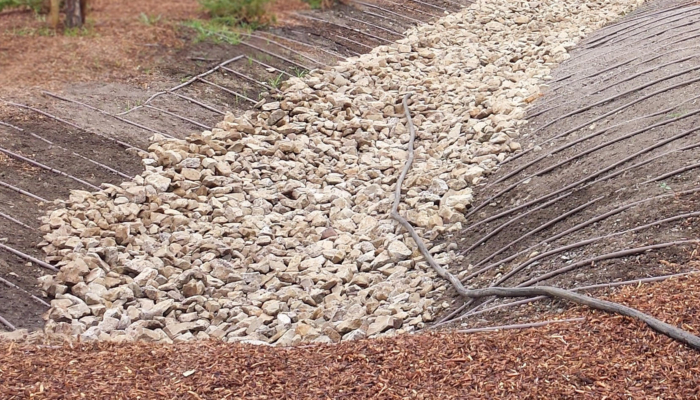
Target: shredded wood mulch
x=604 y=356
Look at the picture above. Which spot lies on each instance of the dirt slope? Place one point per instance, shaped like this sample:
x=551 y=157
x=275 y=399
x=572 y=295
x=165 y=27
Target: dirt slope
x=610 y=164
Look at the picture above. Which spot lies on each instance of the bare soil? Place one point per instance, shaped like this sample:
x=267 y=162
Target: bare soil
x=587 y=140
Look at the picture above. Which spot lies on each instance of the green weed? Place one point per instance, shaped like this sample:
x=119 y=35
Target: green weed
x=300 y=73
x=266 y=58
x=276 y=82
x=41 y=31
x=149 y=20
x=314 y=4
x=129 y=105
x=251 y=13
x=664 y=186
x=83 y=31
x=211 y=30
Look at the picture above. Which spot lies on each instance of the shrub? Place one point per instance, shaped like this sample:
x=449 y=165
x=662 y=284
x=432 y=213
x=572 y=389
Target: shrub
x=238 y=12
x=35 y=5
x=320 y=4
x=213 y=31
x=314 y=4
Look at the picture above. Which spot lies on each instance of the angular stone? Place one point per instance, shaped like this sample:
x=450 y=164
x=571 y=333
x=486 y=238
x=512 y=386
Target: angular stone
x=159 y=182
x=382 y=323
x=78 y=310
x=457 y=200
x=275 y=105
x=314 y=264
x=398 y=251
x=73 y=272
x=272 y=307
x=354 y=335
x=146 y=275
x=275 y=117
x=191 y=174
x=349 y=325
x=159 y=309
x=522 y=19
x=193 y=288
x=173 y=330
x=108 y=324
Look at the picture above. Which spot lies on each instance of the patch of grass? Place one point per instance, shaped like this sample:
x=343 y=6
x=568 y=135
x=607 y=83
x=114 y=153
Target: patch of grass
x=676 y=114
x=314 y=4
x=149 y=20
x=266 y=58
x=214 y=31
x=129 y=105
x=34 y=5
x=320 y=4
x=276 y=82
x=41 y=31
x=83 y=31
x=300 y=73
x=250 y=13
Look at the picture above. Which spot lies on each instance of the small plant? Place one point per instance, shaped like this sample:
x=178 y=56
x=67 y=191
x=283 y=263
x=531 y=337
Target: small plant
x=263 y=57
x=320 y=4
x=41 y=31
x=211 y=30
x=275 y=82
x=149 y=20
x=251 y=13
x=129 y=105
x=77 y=32
x=676 y=114
x=300 y=73
x=664 y=186
x=314 y=4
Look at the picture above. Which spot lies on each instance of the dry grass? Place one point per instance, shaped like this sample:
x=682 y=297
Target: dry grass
x=117 y=45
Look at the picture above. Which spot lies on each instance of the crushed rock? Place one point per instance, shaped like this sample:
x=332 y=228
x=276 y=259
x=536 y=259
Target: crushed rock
x=273 y=227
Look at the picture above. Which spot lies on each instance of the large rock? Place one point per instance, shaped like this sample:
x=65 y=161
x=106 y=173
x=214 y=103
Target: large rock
x=398 y=251
x=382 y=323
x=159 y=182
x=73 y=272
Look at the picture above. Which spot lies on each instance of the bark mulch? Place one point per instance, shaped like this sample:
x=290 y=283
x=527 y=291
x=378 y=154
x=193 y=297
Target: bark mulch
x=604 y=356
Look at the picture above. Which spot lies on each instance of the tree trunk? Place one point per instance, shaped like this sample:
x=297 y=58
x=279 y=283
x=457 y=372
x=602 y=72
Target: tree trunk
x=74 y=15
x=53 y=13
x=83 y=10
